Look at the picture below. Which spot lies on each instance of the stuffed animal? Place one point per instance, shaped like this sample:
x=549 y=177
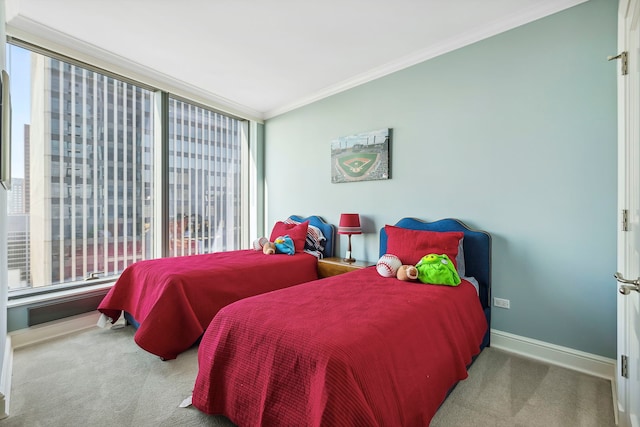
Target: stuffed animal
x=269 y=248
x=387 y=265
x=259 y=243
x=263 y=244
x=407 y=273
x=437 y=270
x=282 y=245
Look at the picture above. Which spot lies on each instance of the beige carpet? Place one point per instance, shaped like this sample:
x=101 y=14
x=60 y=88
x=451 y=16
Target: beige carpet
x=505 y=390
x=102 y=378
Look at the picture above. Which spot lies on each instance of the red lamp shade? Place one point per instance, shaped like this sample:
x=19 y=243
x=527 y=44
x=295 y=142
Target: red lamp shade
x=349 y=224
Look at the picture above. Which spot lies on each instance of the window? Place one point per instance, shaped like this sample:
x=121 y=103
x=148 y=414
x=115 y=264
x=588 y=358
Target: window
x=204 y=185
x=84 y=199
x=69 y=219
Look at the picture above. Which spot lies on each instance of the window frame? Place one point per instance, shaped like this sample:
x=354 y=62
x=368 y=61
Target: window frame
x=160 y=111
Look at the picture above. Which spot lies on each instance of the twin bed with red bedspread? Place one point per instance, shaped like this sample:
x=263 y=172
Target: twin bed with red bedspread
x=356 y=349
x=171 y=301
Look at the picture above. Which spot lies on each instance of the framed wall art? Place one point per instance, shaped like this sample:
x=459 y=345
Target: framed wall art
x=361 y=157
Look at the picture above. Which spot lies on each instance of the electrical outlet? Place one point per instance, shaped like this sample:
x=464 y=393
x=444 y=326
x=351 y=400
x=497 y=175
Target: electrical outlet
x=501 y=302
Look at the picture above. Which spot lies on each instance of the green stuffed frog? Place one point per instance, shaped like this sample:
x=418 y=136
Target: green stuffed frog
x=437 y=270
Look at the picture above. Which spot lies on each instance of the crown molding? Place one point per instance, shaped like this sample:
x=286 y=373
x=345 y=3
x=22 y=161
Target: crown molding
x=539 y=11
x=21 y=27
x=28 y=30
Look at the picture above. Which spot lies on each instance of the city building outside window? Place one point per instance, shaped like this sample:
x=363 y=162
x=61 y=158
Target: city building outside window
x=83 y=203
x=204 y=180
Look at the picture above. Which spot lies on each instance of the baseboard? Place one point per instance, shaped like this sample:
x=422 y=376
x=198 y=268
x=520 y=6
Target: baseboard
x=33 y=335
x=614 y=395
x=5 y=379
x=565 y=357
x=57 y=328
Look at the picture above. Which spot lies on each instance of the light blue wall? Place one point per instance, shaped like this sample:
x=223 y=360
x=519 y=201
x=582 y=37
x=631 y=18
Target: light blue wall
x=515 y=135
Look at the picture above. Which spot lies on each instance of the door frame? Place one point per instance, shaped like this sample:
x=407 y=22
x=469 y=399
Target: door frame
x=628 y=261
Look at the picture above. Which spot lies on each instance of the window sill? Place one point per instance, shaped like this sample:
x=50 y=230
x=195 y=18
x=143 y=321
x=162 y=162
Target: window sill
x=55 y=295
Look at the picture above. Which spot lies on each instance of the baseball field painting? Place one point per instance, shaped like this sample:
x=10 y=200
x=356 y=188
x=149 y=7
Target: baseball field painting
x=360 y=157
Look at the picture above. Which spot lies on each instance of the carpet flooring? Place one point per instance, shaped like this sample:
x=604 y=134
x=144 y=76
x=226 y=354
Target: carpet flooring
x=100 y=377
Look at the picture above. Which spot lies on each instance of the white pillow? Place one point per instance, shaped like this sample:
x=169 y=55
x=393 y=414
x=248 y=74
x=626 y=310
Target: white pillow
x=460 y=259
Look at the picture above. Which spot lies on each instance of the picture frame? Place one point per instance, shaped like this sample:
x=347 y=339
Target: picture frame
x=361 y=157
x=5 y=130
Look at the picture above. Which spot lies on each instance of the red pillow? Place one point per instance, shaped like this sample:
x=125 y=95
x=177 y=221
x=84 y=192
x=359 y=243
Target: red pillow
x=297 y=232
x=411 y=245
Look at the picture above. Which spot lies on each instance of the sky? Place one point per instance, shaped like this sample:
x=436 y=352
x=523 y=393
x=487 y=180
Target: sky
x=19 y=69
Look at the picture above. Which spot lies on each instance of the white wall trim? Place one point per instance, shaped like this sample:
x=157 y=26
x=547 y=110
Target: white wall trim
x=24 y=28
x=57 y=328
x=538 y=11
x=5 y=379
x=28 y=30
x=33 y=335
x=565 y=357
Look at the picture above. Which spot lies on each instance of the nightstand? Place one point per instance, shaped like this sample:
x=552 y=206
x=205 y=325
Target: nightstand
x=334 y=265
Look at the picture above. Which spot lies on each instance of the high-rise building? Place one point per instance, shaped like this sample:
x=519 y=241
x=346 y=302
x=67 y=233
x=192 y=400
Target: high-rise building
x=16 y=197
x=89 y=187
x=89 y=169
x=18 y=252
x=18 y=257
x=27 y=169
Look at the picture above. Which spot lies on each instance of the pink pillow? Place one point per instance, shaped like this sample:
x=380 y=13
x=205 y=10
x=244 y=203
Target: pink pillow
x=297 y=232
x=411 y=245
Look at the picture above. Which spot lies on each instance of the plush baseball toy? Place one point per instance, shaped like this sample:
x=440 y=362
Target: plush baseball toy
x=407 y=273
x=388 y=265
x=259 y=243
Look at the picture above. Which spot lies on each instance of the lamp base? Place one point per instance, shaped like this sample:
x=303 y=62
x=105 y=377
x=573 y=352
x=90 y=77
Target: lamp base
x=347 y=257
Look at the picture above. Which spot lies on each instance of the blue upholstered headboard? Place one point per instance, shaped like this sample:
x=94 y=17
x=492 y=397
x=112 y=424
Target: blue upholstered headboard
x=477 y=252
x=327 y=229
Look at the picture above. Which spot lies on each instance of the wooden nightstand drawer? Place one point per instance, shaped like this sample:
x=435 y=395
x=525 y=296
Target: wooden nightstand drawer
x=333 y=266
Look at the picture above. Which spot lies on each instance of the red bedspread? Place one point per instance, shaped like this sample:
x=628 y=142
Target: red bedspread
x=353 y=350
x=174 y=299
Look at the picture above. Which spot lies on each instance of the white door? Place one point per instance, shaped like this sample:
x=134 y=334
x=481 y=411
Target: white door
x=628 y=378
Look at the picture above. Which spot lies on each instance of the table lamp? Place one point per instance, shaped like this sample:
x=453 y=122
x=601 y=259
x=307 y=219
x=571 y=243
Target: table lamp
x=349 y=224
